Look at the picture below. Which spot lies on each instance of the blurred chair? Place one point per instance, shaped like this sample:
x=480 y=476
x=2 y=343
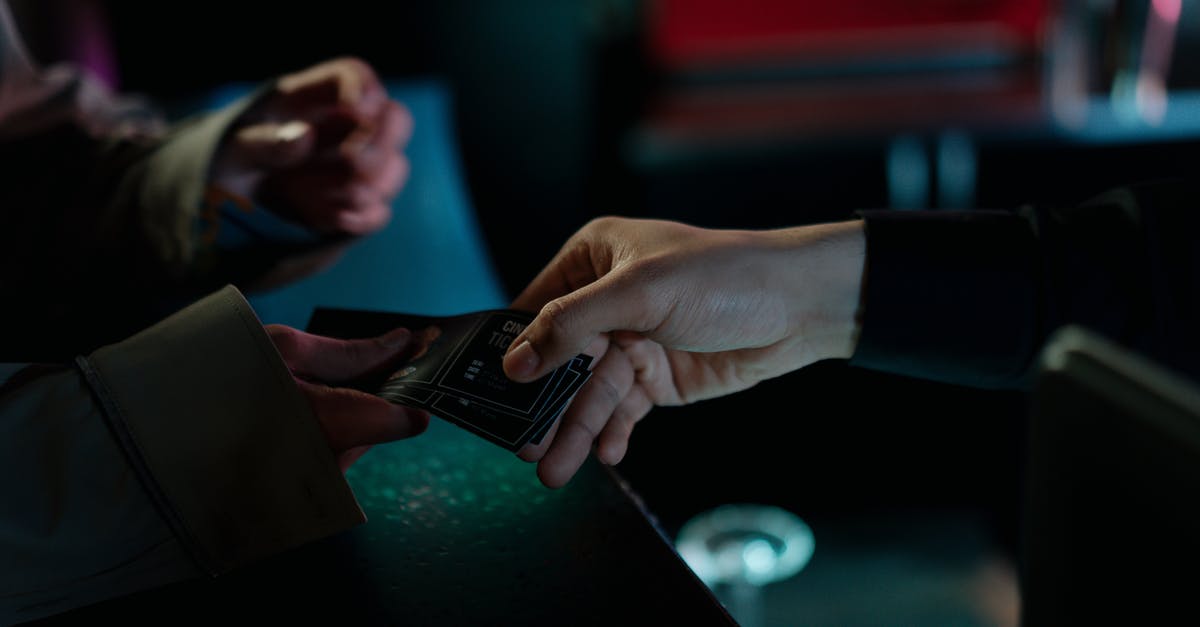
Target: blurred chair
x=1111 y=509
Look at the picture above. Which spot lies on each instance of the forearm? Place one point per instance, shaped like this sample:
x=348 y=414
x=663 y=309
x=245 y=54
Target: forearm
x=147 y=464
x=820 y=271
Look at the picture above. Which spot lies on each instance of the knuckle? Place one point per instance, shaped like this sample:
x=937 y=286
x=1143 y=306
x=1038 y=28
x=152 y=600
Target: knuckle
x=609 y=390
x=556 y=316
x=602 y=223
x=626 y=417
x=401 y=171
x=648 y=273
x=405 y=115
x=353 y=63
x=646 y=283
x=586 y=429
x=358 y=351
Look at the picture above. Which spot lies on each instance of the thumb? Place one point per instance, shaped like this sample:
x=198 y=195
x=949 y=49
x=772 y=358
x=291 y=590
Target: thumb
x=352 y=418
x=335 y=360
x=273 y=145
x=568 y=324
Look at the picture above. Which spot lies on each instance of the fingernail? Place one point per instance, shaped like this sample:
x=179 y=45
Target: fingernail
x=522 y=361
x=395 y=338
x=291 y=131
x=357 y=141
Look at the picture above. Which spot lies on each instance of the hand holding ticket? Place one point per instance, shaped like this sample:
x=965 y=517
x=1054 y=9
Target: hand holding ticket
x=457 y=374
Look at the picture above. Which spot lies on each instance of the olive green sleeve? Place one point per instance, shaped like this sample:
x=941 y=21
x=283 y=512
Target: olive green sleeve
x=184 y=449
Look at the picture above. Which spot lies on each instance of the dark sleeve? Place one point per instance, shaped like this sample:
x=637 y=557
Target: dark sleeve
x=969 y=297
x=88 y=219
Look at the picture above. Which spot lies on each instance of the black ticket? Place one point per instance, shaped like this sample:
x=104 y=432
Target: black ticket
x=456 y=374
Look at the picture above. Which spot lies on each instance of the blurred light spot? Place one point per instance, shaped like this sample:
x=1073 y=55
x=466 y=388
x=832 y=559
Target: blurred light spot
x=754 y=544
x=955 y=171
x=1151 y=98
x=1168 y=10
x=907 y=174
x=1068 y=76
x=1124 y=98
x=760 y=559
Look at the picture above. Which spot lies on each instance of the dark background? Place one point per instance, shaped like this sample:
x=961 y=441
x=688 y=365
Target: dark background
x=550 y=96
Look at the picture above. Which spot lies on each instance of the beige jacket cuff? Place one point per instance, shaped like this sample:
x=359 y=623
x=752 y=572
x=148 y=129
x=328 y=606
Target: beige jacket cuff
x=223 y=440
x=169 y=185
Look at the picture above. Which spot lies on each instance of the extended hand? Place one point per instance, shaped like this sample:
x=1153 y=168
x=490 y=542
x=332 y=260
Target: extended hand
x=679 y=314
x=351 y=420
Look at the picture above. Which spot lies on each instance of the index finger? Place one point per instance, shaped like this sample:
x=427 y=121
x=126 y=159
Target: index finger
x=566 y=325
x=349 y=83
x=586 y=418
x=568 y=271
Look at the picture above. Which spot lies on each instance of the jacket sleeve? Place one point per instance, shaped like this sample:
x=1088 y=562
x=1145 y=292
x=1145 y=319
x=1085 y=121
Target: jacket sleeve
x=90 y=193
x=185 y=449
x=99 y=202
x=970 y=297
x=86 y=219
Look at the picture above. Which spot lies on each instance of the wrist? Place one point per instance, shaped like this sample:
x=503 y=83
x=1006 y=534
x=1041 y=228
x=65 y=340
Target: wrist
x=822 y=278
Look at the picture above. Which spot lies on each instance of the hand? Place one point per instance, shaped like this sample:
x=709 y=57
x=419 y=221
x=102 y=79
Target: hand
x=678 y=314
x=351 y=419
x=323 y=148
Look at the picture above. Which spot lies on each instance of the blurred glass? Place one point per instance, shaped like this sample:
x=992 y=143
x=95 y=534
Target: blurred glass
x=1110 y=68
x=737 y=549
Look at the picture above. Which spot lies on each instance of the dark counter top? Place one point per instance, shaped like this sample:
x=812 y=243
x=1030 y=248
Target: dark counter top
x=460 y=532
